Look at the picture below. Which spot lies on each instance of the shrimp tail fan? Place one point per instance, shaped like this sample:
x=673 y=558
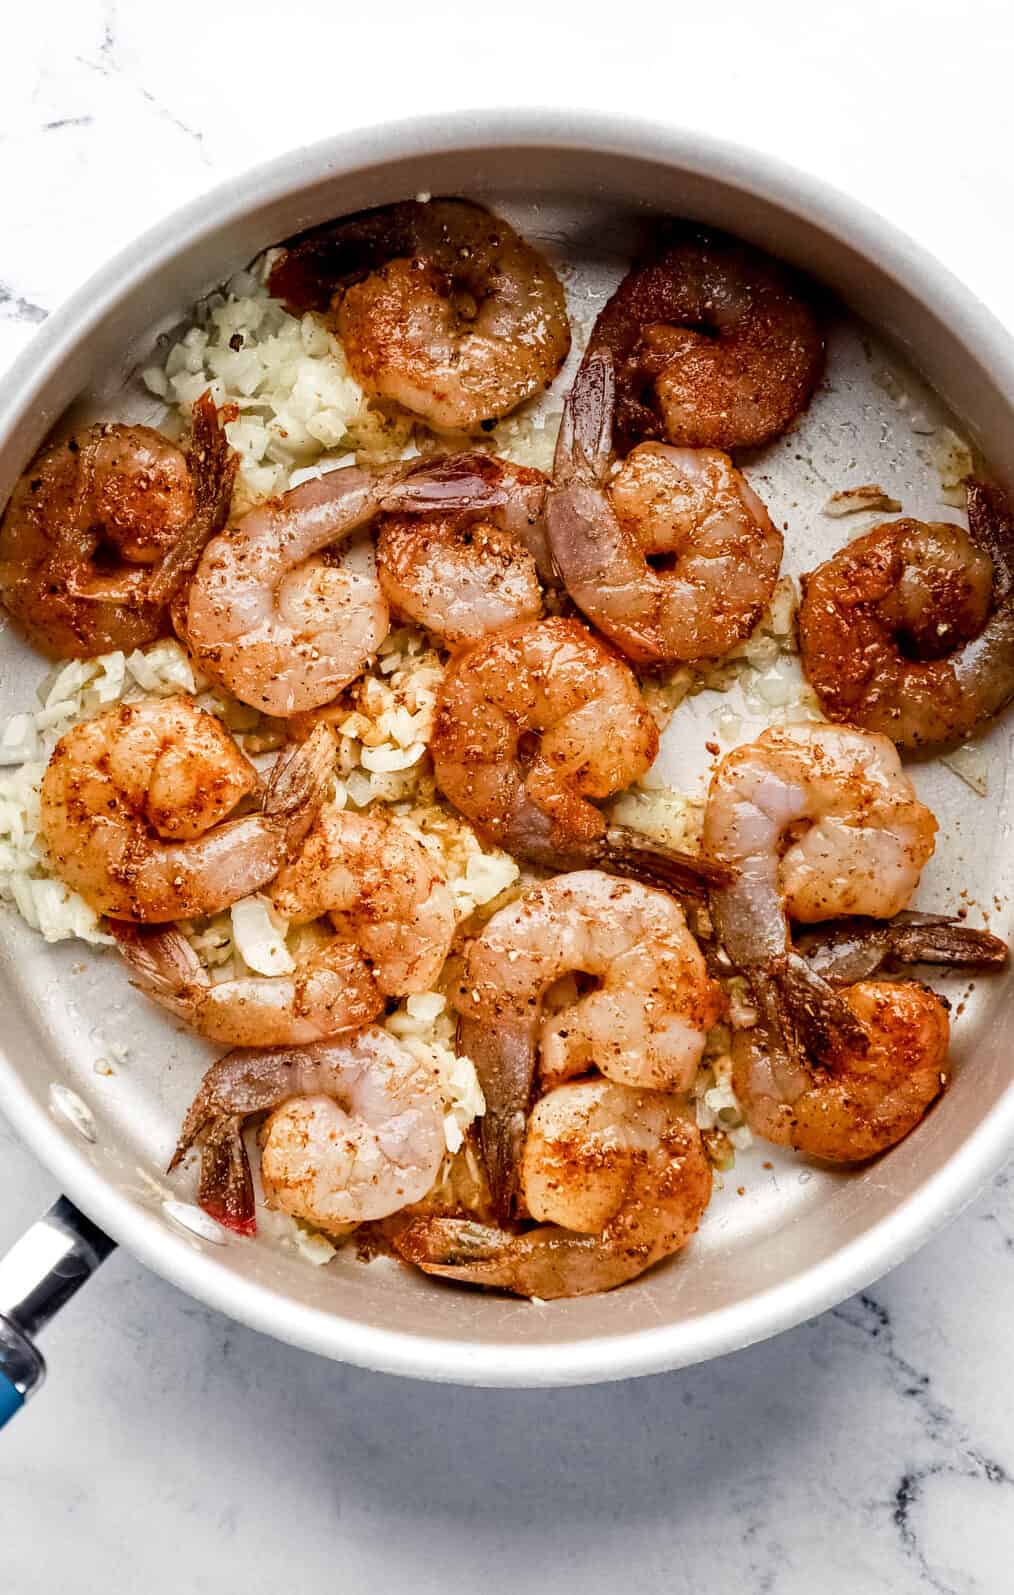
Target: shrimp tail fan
x=504 y=1060
x=856 y=949
x=162 y=963
x=586 y=431
x=991 y=525
x=299 y=784
x=819 y=1014
x=225 y=1190
x=213 y=466
x=628 y=852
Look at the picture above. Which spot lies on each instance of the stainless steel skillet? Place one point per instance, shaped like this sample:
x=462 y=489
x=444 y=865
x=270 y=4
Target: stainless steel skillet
x=799 y=1240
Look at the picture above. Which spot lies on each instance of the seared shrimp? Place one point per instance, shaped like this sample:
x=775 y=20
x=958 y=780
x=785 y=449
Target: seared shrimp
x=819 y=822
x=393 y=917
x=135 y=802
x=715 y=345
x=617 y=1179
x=690 y=507
x=643 y=1025
x=909 y=630
x=356 y=1131
x=103 y=529
x=440 y=307
x=462 y=572
x=532 y=724
x=856 y=1097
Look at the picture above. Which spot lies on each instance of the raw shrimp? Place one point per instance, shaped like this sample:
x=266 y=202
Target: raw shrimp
x=909 y=630
x=134 y=810
x=848 y=1101
x=440 y=307
x=643 y=1025
x=464 y=572
x=617 y=1179
x=356 y=1131
x=103 y=529
x=688 y=507
x=534 y=722
x=393 y=917
x=715 y=345
x=820 y=822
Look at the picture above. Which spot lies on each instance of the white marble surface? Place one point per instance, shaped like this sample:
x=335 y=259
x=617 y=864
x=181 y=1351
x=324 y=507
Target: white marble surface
x=871 y=1451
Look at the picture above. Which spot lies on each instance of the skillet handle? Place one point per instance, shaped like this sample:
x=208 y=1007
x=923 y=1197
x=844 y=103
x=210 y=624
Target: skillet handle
x=41 y=1272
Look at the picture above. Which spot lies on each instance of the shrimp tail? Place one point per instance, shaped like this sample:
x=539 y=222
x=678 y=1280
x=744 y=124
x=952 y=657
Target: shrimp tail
x=244 y=1082
x=627 y=852
x=991 y=524
x=213 y=466
x=545 y=1263
x=504 y=1060
x=163 y=964
x=856 y=949
x=585 y=442
x=225 y=1190
x=820 y=1016
x=299 y=784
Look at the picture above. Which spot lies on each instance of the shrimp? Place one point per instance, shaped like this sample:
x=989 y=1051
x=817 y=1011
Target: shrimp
x=356 y=1131
x=909 y=630
x=617 y=1179
x=534 y=722
x=275 y=616
x=441 y=307
x=851 y=1101
x=644 y=1025
x=393 y=916
x=102 y=530
x=134 y=808
x=688 y=507
x=715 y=345
x=819 y=822
x=464 y=572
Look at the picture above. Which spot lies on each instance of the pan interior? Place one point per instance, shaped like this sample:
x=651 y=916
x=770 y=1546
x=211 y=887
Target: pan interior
x=72 y=1011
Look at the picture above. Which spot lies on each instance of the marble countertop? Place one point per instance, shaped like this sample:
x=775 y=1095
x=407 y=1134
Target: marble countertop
x=869 y=1451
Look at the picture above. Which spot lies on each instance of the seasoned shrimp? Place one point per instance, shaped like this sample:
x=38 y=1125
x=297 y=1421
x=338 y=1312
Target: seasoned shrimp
x=135 y=802
x=909 y=630
x=643 y=1025
x=715 y=346
x=380 y=887
x=440 y=307
x=531 y=724
x=688 y=507
x=856 y=1097
x=819 y=822
x=103 y=529
x=393 y=916
x=276 y=615
x=356 y=1131
x=279 y=622
x=617 y=1179
x=462 y=572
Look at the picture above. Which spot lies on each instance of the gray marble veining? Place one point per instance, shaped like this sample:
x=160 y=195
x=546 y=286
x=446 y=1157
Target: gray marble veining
x=870 y=1451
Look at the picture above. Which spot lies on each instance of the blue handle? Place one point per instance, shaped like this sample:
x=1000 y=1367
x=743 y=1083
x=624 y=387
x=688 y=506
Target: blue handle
x=43 y=1270
x=11 y=1399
